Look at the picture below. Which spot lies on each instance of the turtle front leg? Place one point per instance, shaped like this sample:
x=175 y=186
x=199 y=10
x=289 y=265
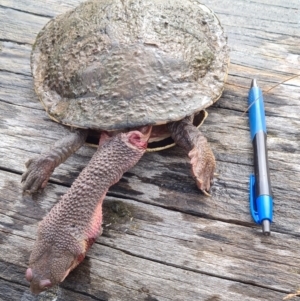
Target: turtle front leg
x=40 y=168
x=186 y=135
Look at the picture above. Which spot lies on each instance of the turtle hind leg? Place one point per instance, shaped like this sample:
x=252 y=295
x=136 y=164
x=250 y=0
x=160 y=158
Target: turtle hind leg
x=41 y=167
x=203 y=163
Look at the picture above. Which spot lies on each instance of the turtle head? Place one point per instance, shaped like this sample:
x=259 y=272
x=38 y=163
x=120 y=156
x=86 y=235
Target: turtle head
x=49 y=265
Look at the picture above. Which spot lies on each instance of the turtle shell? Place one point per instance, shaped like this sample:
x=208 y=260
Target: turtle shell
x=116 y=64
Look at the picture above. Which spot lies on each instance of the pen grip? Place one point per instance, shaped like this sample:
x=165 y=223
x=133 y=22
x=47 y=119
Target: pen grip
x=262 y=175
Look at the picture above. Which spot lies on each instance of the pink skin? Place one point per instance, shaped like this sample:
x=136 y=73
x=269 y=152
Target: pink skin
x=67 y=231
x=29 y=275
x=42 y=285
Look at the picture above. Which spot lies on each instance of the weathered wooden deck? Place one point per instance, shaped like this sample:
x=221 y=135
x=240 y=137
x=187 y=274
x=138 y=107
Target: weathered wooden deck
x=163 y=240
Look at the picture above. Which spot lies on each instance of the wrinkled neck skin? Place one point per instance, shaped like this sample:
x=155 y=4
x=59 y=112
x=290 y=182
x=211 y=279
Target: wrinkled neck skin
x=72 y=225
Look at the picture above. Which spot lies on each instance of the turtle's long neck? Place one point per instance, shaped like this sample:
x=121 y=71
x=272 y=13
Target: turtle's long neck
x=73 y=224
x=79 y=211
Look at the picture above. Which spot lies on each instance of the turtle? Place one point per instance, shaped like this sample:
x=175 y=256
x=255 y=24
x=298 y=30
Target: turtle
x=135 y=73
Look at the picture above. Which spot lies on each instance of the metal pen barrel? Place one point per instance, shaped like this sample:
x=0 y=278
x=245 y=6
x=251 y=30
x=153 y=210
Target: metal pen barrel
x=262 y=174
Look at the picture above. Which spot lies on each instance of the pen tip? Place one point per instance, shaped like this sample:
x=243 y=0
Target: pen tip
x=253 y=83
x=266 y=227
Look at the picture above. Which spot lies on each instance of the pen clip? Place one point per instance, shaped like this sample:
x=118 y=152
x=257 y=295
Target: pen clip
x=253 y=208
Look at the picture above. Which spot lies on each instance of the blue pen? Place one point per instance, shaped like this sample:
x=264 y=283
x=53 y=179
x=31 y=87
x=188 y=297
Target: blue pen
x=261 y=201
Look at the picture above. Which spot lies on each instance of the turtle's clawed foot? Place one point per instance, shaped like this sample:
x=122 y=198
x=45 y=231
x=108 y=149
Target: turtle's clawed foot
x=196 y=146
x=39 y=170
x=203 y=165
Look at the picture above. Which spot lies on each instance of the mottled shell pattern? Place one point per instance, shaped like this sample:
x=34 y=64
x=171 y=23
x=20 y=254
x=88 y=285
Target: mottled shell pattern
x=117 y=64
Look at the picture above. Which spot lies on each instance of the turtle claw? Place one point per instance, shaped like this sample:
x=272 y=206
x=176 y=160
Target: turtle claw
x=27 y=163
x=204 y=188
x=39 y=170
x=206 y=193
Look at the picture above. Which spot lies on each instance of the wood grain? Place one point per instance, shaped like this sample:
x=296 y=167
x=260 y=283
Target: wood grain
x=163 y=239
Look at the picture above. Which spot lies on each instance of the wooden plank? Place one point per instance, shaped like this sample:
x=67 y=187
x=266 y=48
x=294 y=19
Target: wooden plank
x=37 y=7
x=14 y=58
x=133 y=260
x=179 y=244
x=18 y=26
